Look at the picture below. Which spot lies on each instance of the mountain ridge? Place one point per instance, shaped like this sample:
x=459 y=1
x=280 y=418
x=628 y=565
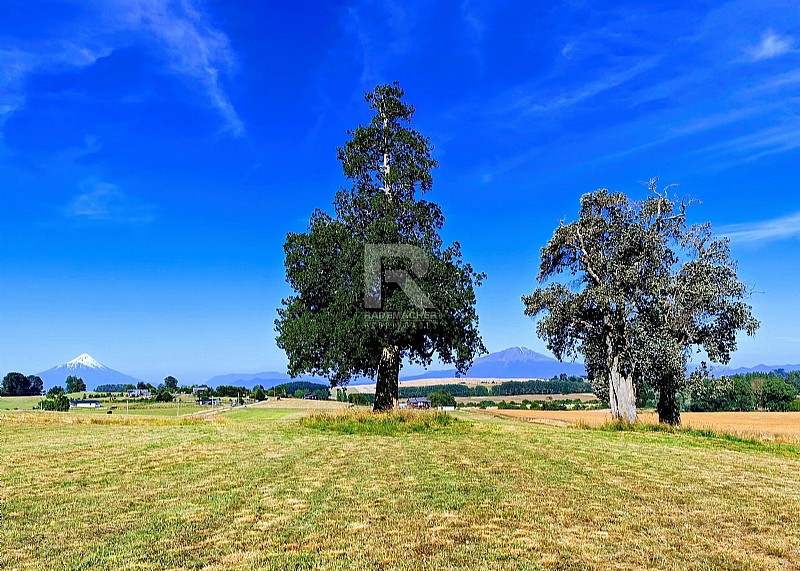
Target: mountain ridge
x=511 y=363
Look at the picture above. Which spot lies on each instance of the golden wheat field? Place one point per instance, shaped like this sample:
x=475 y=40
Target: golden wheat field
x=765 y=425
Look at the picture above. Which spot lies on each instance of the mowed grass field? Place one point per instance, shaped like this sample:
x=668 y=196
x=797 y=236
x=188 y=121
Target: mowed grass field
x=256 y=489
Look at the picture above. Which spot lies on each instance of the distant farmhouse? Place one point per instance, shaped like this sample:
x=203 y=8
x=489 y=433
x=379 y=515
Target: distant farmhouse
x=200 y=390
x=133 y=393
x=419 y=403
x=85 y=404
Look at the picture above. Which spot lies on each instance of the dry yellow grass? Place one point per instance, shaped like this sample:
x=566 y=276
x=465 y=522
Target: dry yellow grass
x=302 y=404
x=761 y=425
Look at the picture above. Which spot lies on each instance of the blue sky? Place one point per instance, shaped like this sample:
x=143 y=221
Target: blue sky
x=154 y=154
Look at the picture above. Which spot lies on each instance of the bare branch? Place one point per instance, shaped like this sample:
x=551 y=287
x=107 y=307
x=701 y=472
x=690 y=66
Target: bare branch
x=585 y=253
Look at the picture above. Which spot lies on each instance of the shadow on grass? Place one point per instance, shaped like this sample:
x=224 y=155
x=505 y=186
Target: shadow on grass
x=393 y=423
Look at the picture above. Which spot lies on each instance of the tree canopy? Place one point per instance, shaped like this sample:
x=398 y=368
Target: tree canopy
x=171 y=383
x=18 y=385
x=374 y=284
x=75 y=384
x=648 y=288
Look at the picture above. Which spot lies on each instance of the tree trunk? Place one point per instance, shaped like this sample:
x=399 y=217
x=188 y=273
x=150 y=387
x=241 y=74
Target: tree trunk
x=669 y=411
x=387 y=389
x=621 y=394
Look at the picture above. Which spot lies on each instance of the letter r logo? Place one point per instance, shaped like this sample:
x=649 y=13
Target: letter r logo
x=374 y=276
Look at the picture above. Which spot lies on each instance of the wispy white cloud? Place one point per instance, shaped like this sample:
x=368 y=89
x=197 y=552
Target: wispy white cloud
x=17 y=64
x=191 y=46
x=784 y=228
x=106 y=202
x=381 y=31
x=755 y=145
x=474 y=24
x=777 y=82
x=536 y=103
x=772 y=45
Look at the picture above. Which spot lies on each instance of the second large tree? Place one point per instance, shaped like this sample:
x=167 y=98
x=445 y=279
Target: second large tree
x=635 y=290
x=374 y=284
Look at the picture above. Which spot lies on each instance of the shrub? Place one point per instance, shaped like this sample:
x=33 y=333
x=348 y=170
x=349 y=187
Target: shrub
x=58 y=402
x=392 y=423
x=361 y=399
x=163 y=395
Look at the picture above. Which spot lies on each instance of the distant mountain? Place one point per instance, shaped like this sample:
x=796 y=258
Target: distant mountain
x=92 y=372
x=720 y=370
x=269 y=379
x=512 y=363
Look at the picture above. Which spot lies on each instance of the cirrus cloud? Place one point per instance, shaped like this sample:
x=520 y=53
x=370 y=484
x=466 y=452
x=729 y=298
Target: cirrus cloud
x=190 y=45
x=772 y=45
x=106 y=202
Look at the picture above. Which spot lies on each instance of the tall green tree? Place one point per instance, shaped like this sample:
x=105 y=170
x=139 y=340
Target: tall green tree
x=171 y=383
x=57 y=390
x=258 y=393
x=649 y=289
x=777 y=394
x=75 y=384
x=374 y=284
x=441 y=398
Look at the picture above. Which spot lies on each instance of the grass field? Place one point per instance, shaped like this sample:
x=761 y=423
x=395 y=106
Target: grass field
x=262 y=414
x=19 y=403
x=256 y=489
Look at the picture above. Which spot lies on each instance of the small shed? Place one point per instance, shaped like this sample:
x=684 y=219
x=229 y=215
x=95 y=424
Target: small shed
x=419 y=403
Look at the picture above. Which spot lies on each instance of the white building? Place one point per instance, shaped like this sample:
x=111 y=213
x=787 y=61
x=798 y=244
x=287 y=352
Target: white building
x=85 y=404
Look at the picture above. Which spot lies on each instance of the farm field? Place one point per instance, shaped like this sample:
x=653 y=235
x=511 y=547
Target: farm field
x=765 y=425
x=256 y=489
x=470 y=382
x=583 y=397
x=19 y=403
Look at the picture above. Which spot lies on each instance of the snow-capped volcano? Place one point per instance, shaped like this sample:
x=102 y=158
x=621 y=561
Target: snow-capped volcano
x=84 y=360
x=87 y=368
